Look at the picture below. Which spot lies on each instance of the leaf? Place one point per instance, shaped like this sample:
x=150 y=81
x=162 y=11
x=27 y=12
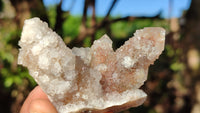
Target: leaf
x=17 y=80
x=4 y=72
x=177 y=66
x=8 y=82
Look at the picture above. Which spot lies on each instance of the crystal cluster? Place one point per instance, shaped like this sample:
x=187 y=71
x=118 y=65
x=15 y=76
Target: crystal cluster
x=96 y=79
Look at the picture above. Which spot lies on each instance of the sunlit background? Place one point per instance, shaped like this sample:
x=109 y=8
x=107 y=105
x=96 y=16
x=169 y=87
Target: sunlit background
x=173 y=84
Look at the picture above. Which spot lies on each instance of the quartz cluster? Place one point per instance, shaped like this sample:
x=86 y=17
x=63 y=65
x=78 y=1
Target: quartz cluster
x=96 y=79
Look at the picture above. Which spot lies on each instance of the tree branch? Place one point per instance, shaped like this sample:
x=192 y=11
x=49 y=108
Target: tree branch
x=93 y=21
x=108 y=22
x=105 y=20
x=122 y=19
x=110 y=9
x=59 y=19
x=84 y=18
x=83 y=28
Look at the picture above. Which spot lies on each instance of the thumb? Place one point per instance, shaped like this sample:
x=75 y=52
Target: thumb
x=42 y=106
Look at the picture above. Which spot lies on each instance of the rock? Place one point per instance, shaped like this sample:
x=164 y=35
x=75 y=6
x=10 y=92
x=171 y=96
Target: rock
x=96 y=79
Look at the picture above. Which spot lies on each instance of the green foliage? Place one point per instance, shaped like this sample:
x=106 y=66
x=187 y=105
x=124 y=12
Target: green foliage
x=177 y=66
x=71 y=27
x=100 y=33
x=15 y=78
x=11 y=74
x=174 y=54
x=87 y=42
x=124 y=29
x=51 y=12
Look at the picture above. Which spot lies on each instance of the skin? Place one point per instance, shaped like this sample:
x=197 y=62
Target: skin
x=37 y=102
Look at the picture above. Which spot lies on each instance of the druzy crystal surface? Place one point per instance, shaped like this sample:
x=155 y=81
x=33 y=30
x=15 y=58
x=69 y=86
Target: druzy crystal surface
x=96 y=79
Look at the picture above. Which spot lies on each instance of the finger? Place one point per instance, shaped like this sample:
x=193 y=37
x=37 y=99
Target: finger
x=36 y=94
x=42 y=106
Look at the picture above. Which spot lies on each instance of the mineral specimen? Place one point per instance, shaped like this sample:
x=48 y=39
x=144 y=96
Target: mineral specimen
x=96 y=79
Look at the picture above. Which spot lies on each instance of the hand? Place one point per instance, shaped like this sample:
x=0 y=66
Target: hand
x=37 y=102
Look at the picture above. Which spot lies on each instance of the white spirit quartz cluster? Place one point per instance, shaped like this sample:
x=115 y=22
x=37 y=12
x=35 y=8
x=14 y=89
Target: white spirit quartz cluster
x=96 y=79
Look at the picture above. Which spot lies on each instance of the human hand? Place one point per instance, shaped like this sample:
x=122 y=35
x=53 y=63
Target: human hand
x=37 y=102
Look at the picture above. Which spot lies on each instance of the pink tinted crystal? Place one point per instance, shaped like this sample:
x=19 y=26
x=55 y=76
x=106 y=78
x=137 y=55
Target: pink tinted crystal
x=96 y=79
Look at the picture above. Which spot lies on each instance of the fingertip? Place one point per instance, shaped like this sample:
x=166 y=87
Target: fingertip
x=35 y=94
x=38 y=93
x=42 y=106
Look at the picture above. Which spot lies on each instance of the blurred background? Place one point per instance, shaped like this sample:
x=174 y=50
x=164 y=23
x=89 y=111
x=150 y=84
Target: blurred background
x=173 y=84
